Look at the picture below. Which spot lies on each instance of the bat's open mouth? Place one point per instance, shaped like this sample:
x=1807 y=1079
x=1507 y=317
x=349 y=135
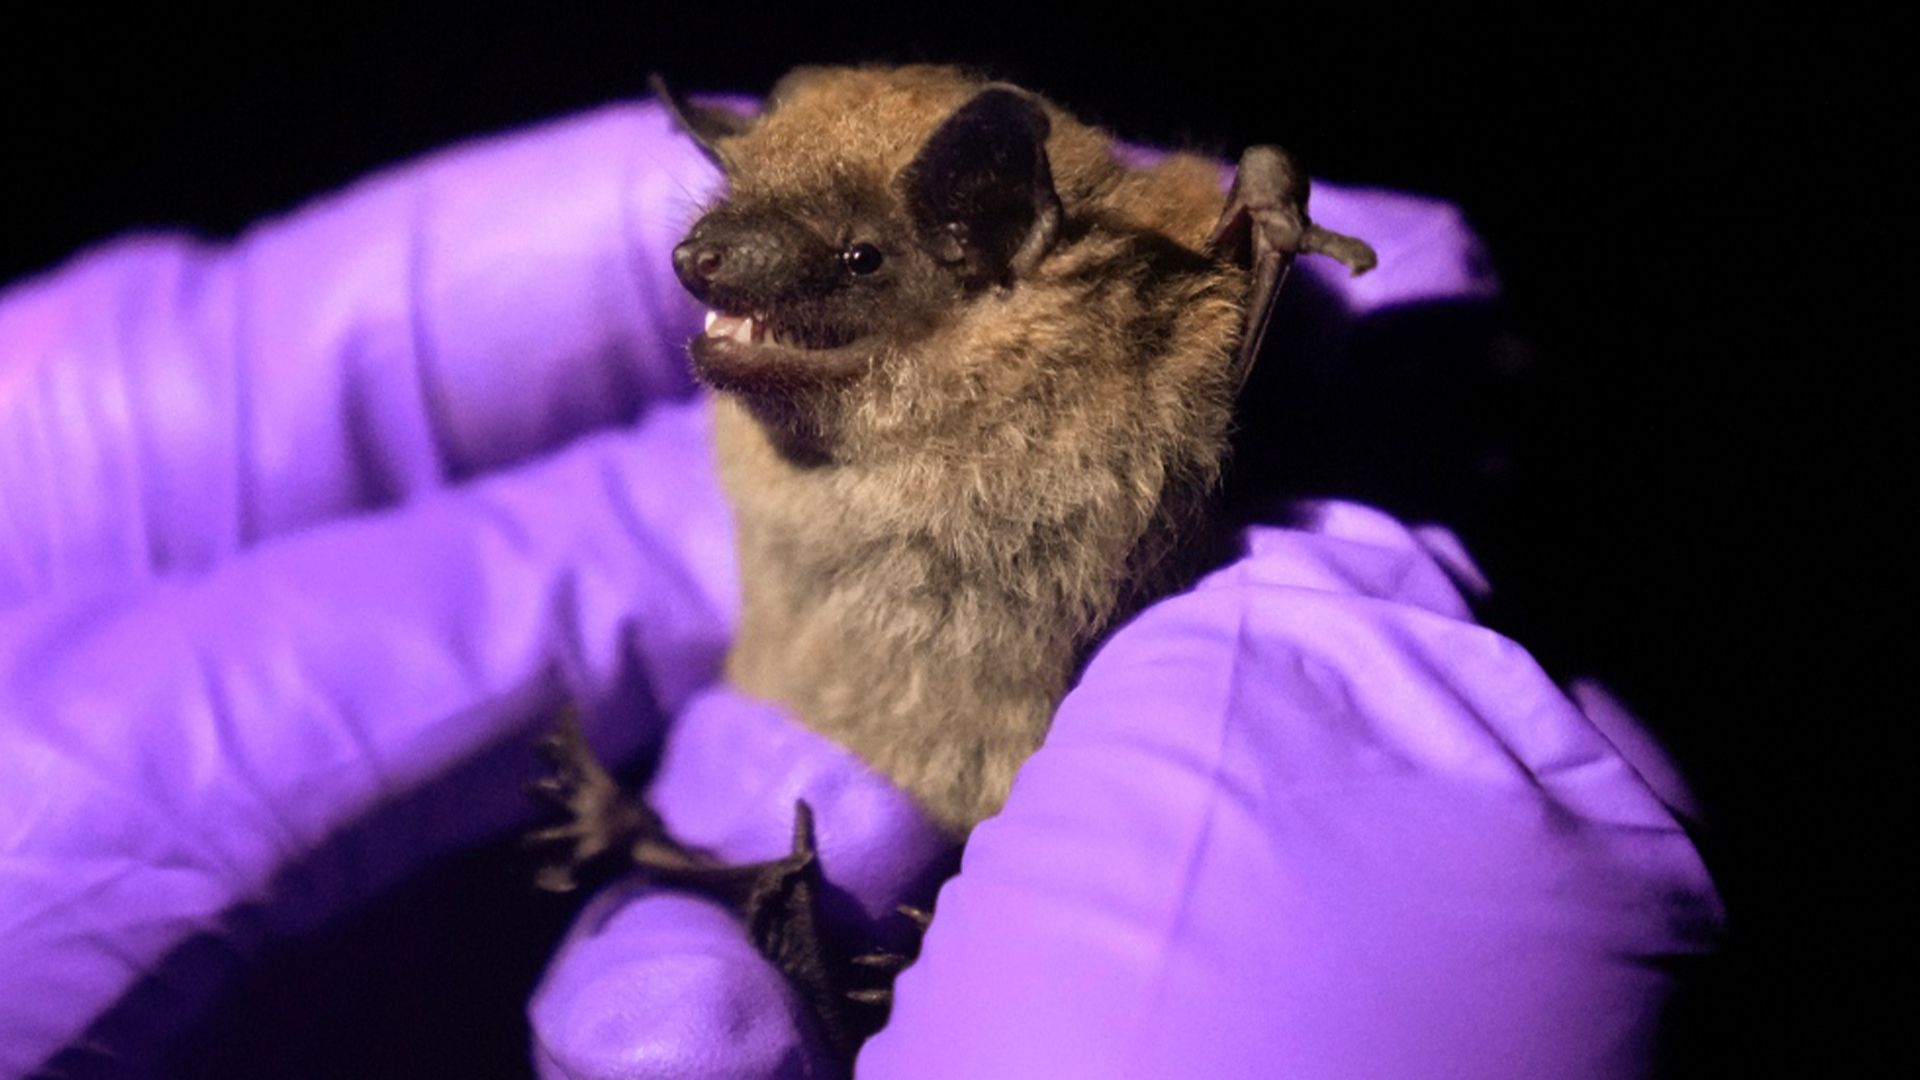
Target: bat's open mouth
x=748 y=352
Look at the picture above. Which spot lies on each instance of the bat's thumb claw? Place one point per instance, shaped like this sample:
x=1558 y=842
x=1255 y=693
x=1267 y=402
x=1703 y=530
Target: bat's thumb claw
x=1356 y=253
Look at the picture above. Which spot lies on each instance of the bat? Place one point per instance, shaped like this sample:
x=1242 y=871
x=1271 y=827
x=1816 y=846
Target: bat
x=974 y=375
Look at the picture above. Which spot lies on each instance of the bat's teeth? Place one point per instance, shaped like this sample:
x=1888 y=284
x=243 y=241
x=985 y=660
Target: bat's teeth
x=736 y=327
x=744 y=329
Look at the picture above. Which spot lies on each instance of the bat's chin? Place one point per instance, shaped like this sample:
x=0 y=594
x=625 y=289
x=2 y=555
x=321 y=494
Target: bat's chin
x=744 y=354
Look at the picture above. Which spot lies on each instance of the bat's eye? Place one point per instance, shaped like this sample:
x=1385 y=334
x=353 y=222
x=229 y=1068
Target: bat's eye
x=861 y=259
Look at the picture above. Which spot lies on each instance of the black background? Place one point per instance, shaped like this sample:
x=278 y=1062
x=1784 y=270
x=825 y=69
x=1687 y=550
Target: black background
x=1669 y=470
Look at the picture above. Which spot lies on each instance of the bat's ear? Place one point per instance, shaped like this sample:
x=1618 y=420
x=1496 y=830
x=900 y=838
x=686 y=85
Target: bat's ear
x=707 y=124
x=980 y=191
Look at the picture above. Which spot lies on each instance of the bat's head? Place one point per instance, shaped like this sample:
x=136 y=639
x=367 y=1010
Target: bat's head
x=864 y=210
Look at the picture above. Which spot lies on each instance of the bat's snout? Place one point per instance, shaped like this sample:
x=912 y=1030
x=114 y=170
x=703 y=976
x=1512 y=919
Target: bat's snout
x=749 y=265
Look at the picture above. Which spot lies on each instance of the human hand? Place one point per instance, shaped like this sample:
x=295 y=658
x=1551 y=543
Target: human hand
x=304 y=537
x=1308 y=818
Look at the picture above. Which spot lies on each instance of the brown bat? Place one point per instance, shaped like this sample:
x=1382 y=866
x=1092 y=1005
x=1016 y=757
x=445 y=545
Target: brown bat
x=974 y=375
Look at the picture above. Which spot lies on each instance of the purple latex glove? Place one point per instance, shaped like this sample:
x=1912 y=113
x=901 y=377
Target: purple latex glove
x=1307 y=819
x=303 y=538
x=1310 y=820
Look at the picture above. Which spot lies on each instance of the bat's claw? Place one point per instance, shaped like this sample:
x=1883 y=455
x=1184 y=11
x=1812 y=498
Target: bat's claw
x=884 y=961
x=1356 y=253
x=874 y=981
x=849 y=992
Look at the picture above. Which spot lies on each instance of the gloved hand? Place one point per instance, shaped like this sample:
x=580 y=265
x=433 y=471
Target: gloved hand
x=1309 y=820
x=304 y=538
x=1306 y=819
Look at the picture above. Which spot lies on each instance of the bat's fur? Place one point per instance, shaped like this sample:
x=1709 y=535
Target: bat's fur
x=930 y=544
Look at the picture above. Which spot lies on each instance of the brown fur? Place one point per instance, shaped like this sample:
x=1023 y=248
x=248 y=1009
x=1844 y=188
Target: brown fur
x=992 y=494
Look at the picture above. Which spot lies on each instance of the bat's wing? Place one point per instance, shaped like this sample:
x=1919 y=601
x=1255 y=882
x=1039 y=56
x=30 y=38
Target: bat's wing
x=1263 y=226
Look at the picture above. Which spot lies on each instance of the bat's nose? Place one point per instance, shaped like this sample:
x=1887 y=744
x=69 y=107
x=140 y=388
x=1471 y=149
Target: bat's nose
x=698 y=263
x=737 y=261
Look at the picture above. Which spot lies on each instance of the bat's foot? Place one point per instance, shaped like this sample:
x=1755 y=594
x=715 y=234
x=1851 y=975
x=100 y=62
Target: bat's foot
x=782 y=913
x=847 y=990
x=600 y=817
x=884 y=966
x=847 y=987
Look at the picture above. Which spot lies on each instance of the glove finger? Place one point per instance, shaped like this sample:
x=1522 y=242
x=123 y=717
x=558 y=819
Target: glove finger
x=730 y=774
x=170 y=751
x=1308 y=814
x=658 y=984
x=168 y=402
